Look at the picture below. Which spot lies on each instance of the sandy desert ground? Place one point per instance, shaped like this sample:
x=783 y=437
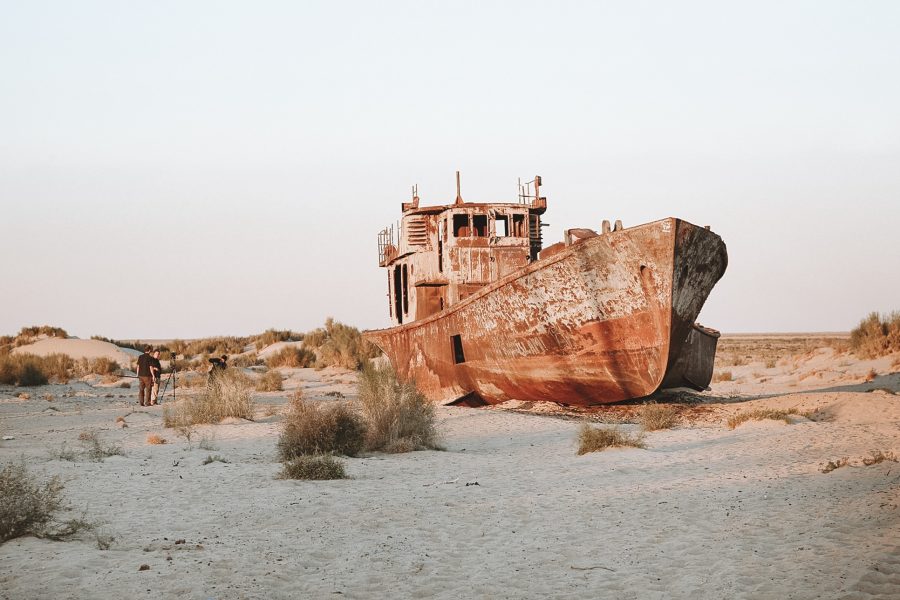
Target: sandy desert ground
x=508 y=510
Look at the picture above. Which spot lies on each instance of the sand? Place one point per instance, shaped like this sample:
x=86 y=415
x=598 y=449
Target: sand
x=507 y=511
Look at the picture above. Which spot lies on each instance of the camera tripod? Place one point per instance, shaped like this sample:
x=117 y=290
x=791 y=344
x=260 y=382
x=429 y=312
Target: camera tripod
x=171 y=378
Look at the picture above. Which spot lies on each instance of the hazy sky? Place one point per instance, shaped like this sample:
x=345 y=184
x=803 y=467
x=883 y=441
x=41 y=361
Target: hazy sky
x=179 y=169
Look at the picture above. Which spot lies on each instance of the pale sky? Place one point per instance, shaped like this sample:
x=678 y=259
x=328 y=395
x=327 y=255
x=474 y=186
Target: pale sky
x=183 y=169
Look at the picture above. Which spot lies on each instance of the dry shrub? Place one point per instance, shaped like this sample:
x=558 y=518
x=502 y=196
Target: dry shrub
x=155 y=439
x=271 y=336
x=831 y=465
x=309 y=428
x=770 y=363
x=26 y=504
x=88 y=435
x=270 y=381
x=95 y=366
x=876 y=335
x=398 y=416
x=96 y=450
x=737 y=360
x=722 y=376
x=313 y=467
x=217 y=458
x=291 y=356
x=228 y=395
x=879 y=457
x=658 y=416
x=245 y=360
x=22 y=369
x=595 y=439
x=760 y=414
x=344 y=346
x=871 y=375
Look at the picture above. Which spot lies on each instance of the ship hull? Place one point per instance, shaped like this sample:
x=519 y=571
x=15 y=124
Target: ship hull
x=602 y=321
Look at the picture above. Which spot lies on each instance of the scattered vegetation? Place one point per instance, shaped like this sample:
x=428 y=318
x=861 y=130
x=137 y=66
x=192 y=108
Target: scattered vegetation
x=228 y=396
x=96 y=450
x=871 y=375
x=876 y=335
x=398 y=416
x=655 y=416
x=320 y=428
x=291 y=356
x=595 y=439
x=313 y=467
x=270 y=381
x=770 y=363
x=760 y=414
x=271 y=336
x=24 y=369
x=27 y=505
x=212 y=459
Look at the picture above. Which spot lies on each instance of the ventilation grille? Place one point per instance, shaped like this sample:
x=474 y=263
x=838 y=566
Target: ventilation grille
x=416 y=232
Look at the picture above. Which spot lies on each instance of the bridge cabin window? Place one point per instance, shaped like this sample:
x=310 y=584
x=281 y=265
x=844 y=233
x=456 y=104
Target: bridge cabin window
x=480 y=225
x=461 y=225
x=518 y=225
x=501 y=225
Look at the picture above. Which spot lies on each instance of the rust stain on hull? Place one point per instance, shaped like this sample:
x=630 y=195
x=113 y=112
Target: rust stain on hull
x=602 y=318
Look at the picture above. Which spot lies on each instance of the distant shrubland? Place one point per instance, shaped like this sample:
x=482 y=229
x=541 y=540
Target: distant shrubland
x=876 y=335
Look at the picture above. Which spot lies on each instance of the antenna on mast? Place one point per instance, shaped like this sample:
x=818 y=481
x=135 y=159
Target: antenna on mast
x=459 y=199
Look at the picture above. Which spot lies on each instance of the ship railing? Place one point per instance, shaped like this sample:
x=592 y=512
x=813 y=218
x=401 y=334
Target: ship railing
x=387 y=243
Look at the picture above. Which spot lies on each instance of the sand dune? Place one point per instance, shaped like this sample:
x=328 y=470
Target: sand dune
x=77 y=349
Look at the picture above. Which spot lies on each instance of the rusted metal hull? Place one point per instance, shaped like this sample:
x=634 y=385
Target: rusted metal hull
x=601 y=321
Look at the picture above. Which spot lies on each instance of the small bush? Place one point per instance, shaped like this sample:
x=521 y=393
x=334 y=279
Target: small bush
x=95 y=450
x=22 y=369
x=398 y=416
x=211 y=459
x=879 y=457
x=313 y=467
x=63 y=453
x=155 y=439
x=344 y=346
x=26 y=505
x=271 y=336
x=227 y=396
x=291 y=356
x=770 y=363
x=876 y=335
x=658 y=416
x=245 y=360
x=320 y=428
x=269 y=382
x=594 y=439
x=760 y=414
x=722 y=376
x=831 y=465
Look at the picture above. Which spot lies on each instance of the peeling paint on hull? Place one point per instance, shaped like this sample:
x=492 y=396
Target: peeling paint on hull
x=600 y=321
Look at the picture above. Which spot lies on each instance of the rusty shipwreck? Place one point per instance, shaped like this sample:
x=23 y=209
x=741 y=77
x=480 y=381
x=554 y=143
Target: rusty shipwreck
x=483 y=313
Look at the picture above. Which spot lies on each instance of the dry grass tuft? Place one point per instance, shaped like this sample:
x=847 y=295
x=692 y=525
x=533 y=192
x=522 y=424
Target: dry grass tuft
x=88 y=435
x=291 y=356
x=227 y=396
x=722 y=376
x=309 y=429
x=871 y=375
x=155 y=439
x=760 y=414
x=398 y=416
x=269 y=382
x=24 y=370
x=831 y=465
x=27 y=505
x=655 y=416
x=211 y=459
x=313 y=467
x=770 y=363
x=595 y=439
x=879 y=457
x=96 y=451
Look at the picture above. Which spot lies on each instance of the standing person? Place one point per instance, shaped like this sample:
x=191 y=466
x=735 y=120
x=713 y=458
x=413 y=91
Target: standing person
x=145 y=376
x=156 y=370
